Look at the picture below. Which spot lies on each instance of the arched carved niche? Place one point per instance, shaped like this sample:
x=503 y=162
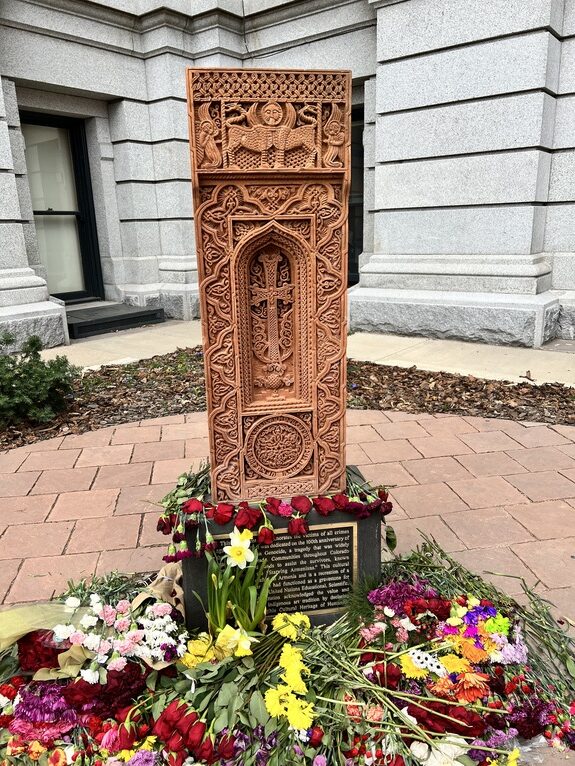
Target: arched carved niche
x=270 y=174
x=272 y=274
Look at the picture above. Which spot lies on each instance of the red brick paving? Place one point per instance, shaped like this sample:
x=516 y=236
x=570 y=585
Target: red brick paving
x=499 y=495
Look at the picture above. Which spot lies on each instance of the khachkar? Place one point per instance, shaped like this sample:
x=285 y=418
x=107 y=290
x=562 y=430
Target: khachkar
x=271 y=163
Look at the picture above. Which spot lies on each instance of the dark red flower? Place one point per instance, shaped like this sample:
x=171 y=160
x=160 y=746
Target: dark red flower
x=205 y=752
x=247 y=517
x=165 y=525
x=195 y=735
x=192 y=506
x=354 y=507
x=175 y=742
x=37 y=650
x=272 y=505
x=177 y=758
x=126 y=736
x=225 y=747
x=298 y=526
x=386 y=508
x=5 y=721
x=382 y=494
x=386 y=674
x=340 y=501
x=324 y=505
x=266 y=536
x=223 y=513
x=8 y=691
x=301 y=504
x=315 y=736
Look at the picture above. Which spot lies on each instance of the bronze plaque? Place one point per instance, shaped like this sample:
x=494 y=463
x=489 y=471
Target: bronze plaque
x=270 y=173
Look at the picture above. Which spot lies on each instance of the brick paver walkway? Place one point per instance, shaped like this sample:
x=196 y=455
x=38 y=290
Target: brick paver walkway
x=500 y=495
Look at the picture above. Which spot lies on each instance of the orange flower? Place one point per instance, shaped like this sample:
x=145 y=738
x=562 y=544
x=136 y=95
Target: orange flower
x=35 y=750
x=443 y=687
x=15 y=746
x=471 y=686
x=471 y=652
x=57 y=758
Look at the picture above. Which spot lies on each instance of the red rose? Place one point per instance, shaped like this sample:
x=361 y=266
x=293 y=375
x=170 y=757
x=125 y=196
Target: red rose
x=382 y=494
x=126 y=736
x=36 y=650
x=324 y=505
x=315 y=736
x=175 y=742
x=165 y=525
x=298 y=526
x=195 y=734
x=247 y=517
x=18 y=681
x=223 y=513
x=272 y=505
x=192 y=506
x=225 y=747
x=301 y=504
x=177 y=758
x=340 y=501
x=386 y=675
x=205 y=752
x=266 y=536
x=472 y=724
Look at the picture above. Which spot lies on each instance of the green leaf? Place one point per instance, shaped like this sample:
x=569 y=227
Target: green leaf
x=390 y=538
x=158 y=706
x=221 y=721
x=570 y=665
x=258 y=708
x=152 y=680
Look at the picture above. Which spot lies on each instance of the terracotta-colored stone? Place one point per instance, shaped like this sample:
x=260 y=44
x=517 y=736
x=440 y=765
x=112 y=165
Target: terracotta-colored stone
x=490 y=464
x=11 y=461
x=29 y=509
x=96 y=535
x=16 y=484
x=113 y=455
x=490 y=441
x=24 y=541
x=440 y=446
x=40 y=578
x=387 y=452
x=486 y=492
x=356 y=455
x=83 y=505
x=271 y=168
x=99 y=438
x=50 y=460
x=131 y=559
x=150 y=451
x=388 y=474
x=498 y=565
x=134 y=474
x=448 y=426
x=542 y=459
x=428 y=500
x=436 y=469
x=494 y=527
x=409 y=533
x=142 y=499
x=193 y=430
x=544 y=485
x=546 y=520
x=63 y=479
x=404 y=429
x=126 y=435
x=8 y=572
x=539 y=436
x=170 y=470
x=551 y=560
x=365 y=417
x=197 y=448
x=361 y=434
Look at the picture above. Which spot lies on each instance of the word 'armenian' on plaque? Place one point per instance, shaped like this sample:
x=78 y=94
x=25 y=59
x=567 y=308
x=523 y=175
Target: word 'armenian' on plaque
x=271 y=163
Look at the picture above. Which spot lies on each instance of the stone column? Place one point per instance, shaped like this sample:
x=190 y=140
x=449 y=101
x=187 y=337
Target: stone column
x=25 y=308
x=464 y=124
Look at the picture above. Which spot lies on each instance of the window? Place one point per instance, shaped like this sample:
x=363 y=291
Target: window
x=59 y=179
x=355 y=246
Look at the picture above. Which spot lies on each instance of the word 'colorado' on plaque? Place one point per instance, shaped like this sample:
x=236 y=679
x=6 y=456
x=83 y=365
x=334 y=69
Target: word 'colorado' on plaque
x=270 y=163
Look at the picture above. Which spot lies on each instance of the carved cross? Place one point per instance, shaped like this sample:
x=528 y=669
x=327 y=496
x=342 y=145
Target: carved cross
x=271 y=294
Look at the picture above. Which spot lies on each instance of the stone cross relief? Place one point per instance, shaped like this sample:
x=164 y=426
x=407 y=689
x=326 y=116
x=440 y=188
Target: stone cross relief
x=270 y=174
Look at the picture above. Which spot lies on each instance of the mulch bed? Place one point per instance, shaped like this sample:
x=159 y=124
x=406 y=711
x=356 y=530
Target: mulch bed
x=174 y=384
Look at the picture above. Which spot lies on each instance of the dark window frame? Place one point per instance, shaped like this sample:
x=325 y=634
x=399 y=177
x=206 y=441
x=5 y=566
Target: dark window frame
x=356 y=206
x=85 y=215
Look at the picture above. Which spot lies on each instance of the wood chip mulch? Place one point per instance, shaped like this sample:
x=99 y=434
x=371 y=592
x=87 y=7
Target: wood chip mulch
x=174 y=384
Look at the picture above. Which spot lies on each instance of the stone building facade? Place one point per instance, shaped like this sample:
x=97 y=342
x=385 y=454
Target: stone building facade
x=467 y=191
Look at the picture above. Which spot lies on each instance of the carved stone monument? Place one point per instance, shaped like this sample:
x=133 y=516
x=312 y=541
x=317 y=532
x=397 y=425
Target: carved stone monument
x=271 y=166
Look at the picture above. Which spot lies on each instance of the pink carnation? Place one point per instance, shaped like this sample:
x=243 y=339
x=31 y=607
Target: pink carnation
x=161 y=610
x=370 y=633
x=104 y=647
x=118 y=664
x=124 y=647
x=110 y=741
x=135 y=636
x=122 y=624
x=123 y=606
x=77 y=638
x=285 y=509
x=108 y=614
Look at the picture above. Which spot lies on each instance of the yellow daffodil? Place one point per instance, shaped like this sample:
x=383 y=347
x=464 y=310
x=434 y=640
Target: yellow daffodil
x=290 y=625
x=199 y=650
x=233 y=641
x=241 y=538
x=513 y=757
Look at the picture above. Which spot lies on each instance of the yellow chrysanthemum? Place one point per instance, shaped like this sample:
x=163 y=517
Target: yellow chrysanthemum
x=276 y=700
x=291 y=657
x=454 y=664
x=410 y=669
x=299 y=713
x=199 y=650
x=292 y=678
x=290 y=625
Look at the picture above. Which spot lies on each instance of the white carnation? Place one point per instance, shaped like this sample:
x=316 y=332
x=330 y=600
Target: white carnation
x=88 y=621
x=72 y=602
x=90 y=676
x=63 y=632
x=91 y=642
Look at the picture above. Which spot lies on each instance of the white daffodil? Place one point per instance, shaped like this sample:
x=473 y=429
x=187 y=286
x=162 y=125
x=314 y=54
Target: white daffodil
x=238 y=551
x=241 y=538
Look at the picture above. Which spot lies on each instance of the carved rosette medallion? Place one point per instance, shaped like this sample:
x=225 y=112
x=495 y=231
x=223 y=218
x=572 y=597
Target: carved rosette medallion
x=278 y=447
x=270 y=159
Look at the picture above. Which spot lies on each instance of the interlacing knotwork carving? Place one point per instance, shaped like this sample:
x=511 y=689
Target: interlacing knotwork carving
x=270 y=157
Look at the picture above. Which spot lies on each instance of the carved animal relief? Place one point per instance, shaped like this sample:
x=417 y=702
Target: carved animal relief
x=270 y=159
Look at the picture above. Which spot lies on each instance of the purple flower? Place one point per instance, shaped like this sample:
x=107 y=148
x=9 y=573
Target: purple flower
x=42 y=702
x=143 y=758
x=319 y=760
x=395 y=594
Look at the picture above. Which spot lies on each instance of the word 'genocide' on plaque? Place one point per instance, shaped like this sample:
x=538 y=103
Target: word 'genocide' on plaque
x=271 y=162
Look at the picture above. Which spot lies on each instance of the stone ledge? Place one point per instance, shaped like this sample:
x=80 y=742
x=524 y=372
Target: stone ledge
x=502 y=319
x=44 y=318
